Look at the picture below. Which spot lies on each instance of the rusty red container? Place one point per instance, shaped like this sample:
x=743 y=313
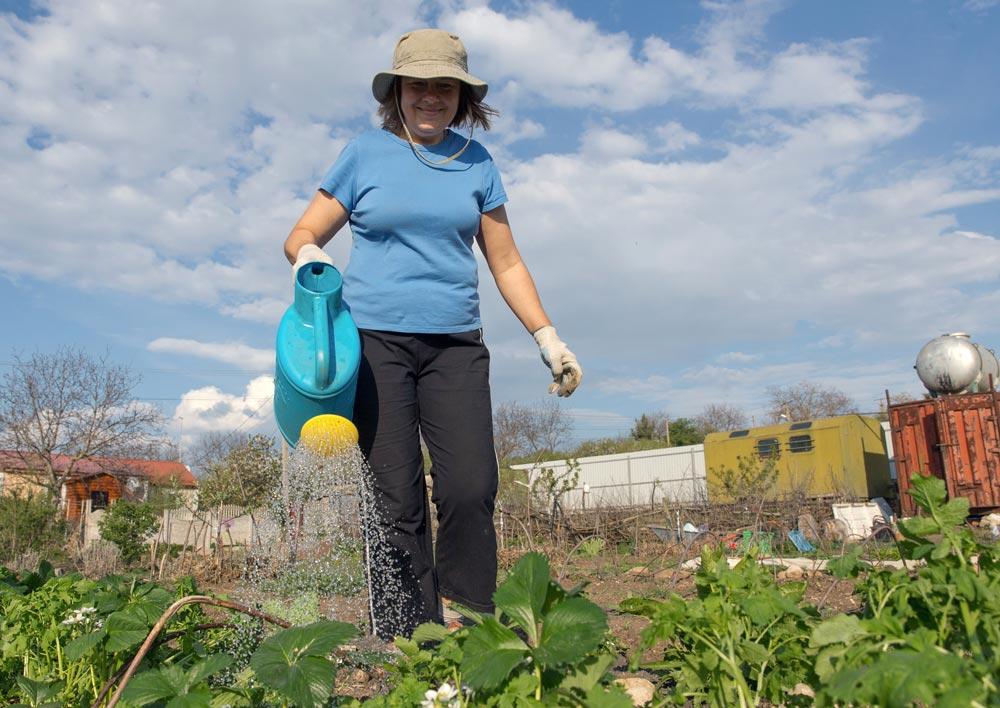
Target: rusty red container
x=955 y=438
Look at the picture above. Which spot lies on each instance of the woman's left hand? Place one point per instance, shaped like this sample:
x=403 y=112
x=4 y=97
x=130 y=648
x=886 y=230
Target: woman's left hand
x=566 y=370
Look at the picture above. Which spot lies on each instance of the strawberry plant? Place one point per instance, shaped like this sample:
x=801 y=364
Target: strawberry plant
x=294 y=662
x=542 y=646
x=742 y=640
x=929 y=637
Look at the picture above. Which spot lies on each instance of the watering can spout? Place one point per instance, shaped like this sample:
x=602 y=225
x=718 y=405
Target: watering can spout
x=318 y=353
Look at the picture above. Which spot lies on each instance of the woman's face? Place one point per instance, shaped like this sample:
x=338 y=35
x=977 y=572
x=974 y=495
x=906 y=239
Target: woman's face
x=428 y=106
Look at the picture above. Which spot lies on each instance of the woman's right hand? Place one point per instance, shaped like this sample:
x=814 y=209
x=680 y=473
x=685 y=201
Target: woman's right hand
x=324 y=217
x=309 y=253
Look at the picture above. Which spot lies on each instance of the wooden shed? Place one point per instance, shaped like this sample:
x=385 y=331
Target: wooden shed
x=96 y=483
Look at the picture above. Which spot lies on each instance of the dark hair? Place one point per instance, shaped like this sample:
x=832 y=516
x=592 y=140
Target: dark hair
x=471 y=112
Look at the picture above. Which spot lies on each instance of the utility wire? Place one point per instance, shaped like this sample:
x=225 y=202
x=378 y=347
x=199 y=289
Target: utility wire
x=253 y=415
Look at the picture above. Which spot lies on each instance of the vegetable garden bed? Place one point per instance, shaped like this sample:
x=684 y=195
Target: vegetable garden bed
x=925 y=635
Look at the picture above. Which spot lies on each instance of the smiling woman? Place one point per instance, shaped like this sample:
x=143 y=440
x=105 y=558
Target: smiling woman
x=418 y=196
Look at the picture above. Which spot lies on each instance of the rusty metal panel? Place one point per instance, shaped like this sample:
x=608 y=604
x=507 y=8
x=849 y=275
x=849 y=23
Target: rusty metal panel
x=915 y=443
x=970 y=447
x=956 y=438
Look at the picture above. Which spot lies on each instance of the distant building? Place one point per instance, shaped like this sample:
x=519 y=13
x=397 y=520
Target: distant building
x=99 y=481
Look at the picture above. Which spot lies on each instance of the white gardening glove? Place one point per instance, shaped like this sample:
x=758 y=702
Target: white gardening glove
x=566 y=371
x=309 y=253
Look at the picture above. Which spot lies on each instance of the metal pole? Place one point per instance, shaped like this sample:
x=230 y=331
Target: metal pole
x=284 y=474
x=628 y=469
x=694 y=476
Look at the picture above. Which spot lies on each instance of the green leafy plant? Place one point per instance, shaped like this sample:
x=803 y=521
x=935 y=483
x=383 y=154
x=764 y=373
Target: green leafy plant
x=128 y=525
x=931 y=636
x=558 y=628
x=38 y=694
x=591 y=548
x=752 y=479
x=301 y=609
x=294 y=662
x=542 y=645
x=30 y=523
x=176 y=686
x=742 y=640
x=551 y=486
x=76 y=633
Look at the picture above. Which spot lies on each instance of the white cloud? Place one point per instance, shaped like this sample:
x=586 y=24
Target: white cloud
x=611 y=144
x=675 y=137
x=736 y=358
x=649 y=388
x=581 y=65
x=164 y=151
x=513 y=129
x=266 y=310
x=236 y=353
x=806 y=78
x=974 y=235
x=208 y=409
x=980 y=5
x=194 y=133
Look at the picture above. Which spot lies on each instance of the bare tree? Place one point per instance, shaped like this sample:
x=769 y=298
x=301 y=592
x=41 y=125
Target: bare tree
x=509 y=422
x=895 y=398
x=247 y=475
x=211 y=449
x=806 y=401
x=528 y=430
x=716 y=417
x=60 y=410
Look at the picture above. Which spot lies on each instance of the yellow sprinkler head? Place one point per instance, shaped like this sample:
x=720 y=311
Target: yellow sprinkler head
x=328 y=434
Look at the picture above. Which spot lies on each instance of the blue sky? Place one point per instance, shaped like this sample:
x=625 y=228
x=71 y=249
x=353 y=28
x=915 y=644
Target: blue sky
x=714 y=197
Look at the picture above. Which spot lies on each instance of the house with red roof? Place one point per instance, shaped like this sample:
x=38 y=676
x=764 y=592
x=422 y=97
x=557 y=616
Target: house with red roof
x=96 y=483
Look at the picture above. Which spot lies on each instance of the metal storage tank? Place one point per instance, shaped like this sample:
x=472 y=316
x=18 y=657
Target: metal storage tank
x=953 y=363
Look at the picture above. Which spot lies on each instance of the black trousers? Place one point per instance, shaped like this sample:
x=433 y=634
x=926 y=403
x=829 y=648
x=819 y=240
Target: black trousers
x=435 y=386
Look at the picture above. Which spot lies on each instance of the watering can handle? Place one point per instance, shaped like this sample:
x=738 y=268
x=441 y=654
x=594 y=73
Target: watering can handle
x=321 y=326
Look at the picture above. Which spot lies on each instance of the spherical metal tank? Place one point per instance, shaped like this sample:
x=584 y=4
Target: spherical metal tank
x=949 y=363
x=990 y=367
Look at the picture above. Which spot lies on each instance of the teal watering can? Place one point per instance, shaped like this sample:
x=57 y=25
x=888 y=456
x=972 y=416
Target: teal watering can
x=318 y=353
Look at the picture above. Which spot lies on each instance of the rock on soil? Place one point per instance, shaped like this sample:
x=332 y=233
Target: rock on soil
x=638 y=689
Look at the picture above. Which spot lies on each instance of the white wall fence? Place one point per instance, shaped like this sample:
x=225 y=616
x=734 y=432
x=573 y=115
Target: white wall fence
x=227 y=525
x=649 y=477
x=675 y=474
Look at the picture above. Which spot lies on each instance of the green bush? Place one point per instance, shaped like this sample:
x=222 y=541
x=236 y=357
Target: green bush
x=30 y=523
x=128 y=525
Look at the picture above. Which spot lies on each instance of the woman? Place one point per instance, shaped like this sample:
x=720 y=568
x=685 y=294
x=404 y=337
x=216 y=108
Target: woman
x=417 y=195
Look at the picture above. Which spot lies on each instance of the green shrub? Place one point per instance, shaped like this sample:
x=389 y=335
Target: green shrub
x=753 y=479
x=128 y=525
x=30 y=523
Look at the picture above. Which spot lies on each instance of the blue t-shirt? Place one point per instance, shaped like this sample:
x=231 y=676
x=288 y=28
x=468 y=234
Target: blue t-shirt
x=412 y=267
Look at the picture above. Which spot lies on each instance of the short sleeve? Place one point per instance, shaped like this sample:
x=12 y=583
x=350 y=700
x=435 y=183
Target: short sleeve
x=341 y=179
x=493 y=191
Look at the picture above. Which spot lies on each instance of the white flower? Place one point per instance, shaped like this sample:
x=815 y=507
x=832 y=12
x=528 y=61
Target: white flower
x=80 y=615
x=446 y=695
x=446 y=692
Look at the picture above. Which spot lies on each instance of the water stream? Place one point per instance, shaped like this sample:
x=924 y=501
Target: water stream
x=315 y=541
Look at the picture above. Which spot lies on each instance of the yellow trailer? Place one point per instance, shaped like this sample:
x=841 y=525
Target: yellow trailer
x=841 y=456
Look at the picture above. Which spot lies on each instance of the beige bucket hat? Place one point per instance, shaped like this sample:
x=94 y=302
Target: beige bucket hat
x=428 y=54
